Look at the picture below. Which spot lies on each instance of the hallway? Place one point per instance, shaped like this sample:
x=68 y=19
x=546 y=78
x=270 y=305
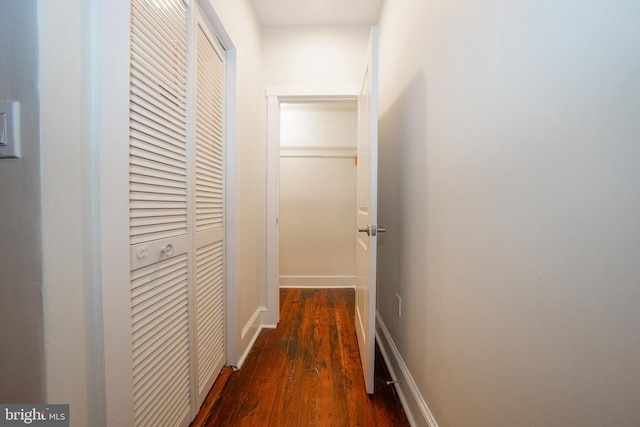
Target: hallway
x=307 y=371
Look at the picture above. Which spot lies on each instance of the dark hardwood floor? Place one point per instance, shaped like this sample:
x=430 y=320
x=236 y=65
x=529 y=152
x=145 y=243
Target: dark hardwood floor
x=305 y=373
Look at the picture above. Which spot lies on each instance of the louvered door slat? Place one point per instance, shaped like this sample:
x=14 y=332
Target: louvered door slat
x=161 y=110
x=149 y=61
x=147 y=169
x=159 y=25
x=164 y=129
x=150 y=167
x=213 y=155
x=210 y=129
x=147 y=79
x=146 y=376
x=144 y=189
x=155 y=142
x=140 y=130
x=164 y=201
x=156 y=152
x=168 y=10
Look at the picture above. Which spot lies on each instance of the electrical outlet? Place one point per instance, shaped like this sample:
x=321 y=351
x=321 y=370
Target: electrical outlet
x=399 y=309
x=9 y=130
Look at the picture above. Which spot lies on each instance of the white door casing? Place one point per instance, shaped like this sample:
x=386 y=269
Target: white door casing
x=367 y=229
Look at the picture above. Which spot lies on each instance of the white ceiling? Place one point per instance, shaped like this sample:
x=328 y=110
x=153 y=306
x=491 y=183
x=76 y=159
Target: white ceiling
x=317 y=12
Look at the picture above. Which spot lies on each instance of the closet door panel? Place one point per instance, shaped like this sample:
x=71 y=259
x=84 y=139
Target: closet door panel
x=158 y=201
x=209 y=211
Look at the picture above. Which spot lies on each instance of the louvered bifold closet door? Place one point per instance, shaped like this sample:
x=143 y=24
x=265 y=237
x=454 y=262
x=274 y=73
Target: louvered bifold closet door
x=158 y=214
x=209 y=220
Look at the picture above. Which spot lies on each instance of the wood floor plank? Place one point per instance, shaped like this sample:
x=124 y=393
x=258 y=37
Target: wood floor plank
x=338 y=377
x=212 y=397
x=291 y=327
x=286 y=412
x=239 y=390
x=274 y=363
x=324 y=366
x=359 y=414
x=307 y=371
x=308 y=359
x=259 y=402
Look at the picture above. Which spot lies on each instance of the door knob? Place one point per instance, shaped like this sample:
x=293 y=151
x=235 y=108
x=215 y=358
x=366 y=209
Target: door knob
x=167 y=250
x=364 y=230
x=372 y=230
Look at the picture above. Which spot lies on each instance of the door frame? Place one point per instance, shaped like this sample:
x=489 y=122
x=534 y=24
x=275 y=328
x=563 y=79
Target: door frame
x=276 y=96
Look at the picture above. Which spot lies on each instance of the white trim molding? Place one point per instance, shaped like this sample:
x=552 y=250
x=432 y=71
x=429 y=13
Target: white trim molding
x=327 y=282
x=318 y=282
x=313 y=93
x=250 y=333
x=414 y=405
x=318 y=151
x=272 y=315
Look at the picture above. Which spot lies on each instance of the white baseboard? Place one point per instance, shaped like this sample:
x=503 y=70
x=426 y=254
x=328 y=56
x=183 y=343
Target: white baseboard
x=250 y=333
x=413 y=403
x=267 y=319
x=317 y=281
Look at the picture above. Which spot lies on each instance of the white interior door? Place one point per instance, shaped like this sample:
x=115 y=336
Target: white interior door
x=159 y=215
x=367 y=215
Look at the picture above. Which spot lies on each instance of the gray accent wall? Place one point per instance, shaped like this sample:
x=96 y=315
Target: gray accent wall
x=22 y=376
x=510 y=190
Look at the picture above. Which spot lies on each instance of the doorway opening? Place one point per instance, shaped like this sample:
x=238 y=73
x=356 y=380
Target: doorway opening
x=317 y=200
x=311 y=172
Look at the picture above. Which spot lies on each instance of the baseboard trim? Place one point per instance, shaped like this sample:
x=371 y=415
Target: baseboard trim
x=413 y=403
x=250 y=333
x=317 y=281
x=267 y=319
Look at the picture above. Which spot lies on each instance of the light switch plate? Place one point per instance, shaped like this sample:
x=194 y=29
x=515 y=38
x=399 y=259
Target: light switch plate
x=9 y=130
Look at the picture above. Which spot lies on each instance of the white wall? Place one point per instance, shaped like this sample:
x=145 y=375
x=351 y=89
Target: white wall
x=314 y=56
x=510 y=190
x=21 y=311
x=73 y=204
x=317 y=195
